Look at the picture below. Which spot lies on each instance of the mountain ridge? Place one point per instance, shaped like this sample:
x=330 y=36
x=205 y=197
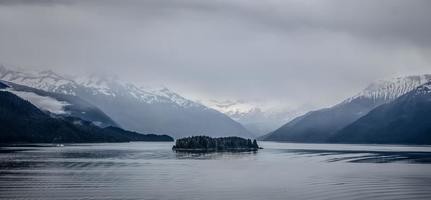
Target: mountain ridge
x=319 y=125
x=22 y=122
x=402 y=121
x=70 y=105
x=158 y=111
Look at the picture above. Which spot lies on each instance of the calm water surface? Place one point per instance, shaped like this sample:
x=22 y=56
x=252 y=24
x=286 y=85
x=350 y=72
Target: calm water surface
x=152 y=171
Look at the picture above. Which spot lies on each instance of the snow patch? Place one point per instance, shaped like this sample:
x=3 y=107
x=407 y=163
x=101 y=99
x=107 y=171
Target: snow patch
x=391 y=89
x=424 y=89
x=95 y=85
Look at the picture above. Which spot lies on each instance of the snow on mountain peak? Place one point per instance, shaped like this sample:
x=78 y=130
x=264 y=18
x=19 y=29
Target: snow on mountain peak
x=232 y=108
x=98 y=84
x=44 y=80
x=391 y=89
x=424 y=89
x=94 y=84
x=253 y=111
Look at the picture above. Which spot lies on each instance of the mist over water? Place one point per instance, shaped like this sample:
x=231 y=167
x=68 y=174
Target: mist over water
x=153 y=171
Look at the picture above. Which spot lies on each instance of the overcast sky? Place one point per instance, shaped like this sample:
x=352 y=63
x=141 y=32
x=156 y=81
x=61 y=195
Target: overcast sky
x=276 y=52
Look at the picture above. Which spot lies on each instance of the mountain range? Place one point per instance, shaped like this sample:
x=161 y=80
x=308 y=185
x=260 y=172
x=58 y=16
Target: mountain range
x=23 y=122
x=324 y=124
x=406 y=120
x=60 y=104
x=130 y=106
x=43 y=106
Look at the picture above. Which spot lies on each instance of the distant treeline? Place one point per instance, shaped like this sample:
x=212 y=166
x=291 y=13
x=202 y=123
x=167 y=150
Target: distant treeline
x=205 y=143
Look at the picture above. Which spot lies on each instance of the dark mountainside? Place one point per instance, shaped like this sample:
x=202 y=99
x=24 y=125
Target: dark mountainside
x=76 y=107
x=208 y=144
x=166 y=118
x=3 y=85
x=22 y=122
x=318 y=126
x=132 y=107
x=407 y=120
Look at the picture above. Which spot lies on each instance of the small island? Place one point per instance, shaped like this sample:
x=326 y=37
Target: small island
x=208 y=144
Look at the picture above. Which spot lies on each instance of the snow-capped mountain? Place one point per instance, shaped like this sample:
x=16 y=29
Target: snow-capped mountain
x=235 y=109
x=59 y=104
x=255 y=118
x=43 y=80
x=390 y=89
x=23 y=122
x=50 y=81
x=404 y=120
x=133 y=107
x=113 y=87
x=319 y=125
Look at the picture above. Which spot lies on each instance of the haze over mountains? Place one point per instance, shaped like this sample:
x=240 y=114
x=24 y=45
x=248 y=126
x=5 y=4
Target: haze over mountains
x=255 y=118
x=321 y=125
x=107 y=102
x=134 y=108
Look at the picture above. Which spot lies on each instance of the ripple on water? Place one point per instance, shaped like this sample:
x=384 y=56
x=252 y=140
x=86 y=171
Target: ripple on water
x=153 y=171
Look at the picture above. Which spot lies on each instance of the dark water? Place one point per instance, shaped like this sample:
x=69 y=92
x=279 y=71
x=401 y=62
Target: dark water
x=153 y=171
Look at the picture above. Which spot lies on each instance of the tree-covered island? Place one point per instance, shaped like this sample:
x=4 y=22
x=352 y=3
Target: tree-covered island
x=208 y=144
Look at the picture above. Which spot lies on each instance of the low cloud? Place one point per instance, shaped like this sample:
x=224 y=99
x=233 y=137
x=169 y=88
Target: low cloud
x=43 y=102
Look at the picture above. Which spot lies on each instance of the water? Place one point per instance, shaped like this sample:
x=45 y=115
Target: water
x=153 y=171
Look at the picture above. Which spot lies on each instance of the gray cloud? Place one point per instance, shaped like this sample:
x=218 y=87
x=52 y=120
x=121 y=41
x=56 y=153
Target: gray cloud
x=281 y=52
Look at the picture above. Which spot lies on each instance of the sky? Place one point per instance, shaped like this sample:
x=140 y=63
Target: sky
x=275 y=53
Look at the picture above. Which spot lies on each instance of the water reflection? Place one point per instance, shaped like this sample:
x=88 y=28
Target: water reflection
x=214 y=155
